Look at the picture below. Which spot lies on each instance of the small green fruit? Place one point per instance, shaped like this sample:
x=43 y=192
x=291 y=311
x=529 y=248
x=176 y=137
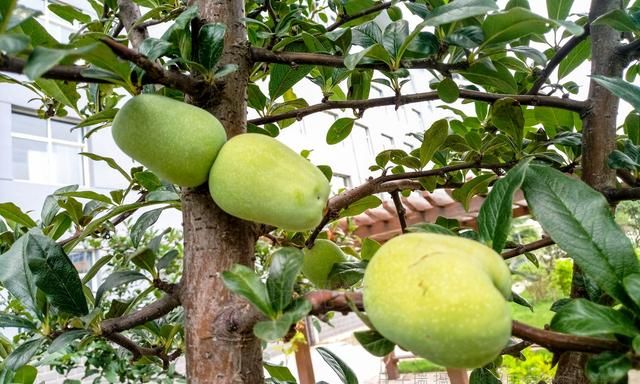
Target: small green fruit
x=319 y=260
x=257 y=178
x=175 y=140
x=441 y=297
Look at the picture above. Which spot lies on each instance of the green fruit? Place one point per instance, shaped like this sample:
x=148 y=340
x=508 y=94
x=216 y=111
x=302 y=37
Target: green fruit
x=257 y=178
x=319 y=260
x=175 y=140
x=441 y=297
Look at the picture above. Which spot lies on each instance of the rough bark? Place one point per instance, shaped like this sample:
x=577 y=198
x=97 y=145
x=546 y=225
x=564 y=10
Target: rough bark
x=598 y=140
x=129 y=13
x=221 y=347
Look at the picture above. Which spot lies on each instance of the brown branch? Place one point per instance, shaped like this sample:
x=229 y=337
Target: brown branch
x=616 y=195
x=155 y=72
x=152 y=311
x=627 y=177
x=72 y=73
x=560 y=55
x=326 y=60
x=343 y=19
x=395 y=195
x=129 y=13
x=326 y=301
x=137 y=350
x=547 y=101
x=630 y=51
x=524 y=248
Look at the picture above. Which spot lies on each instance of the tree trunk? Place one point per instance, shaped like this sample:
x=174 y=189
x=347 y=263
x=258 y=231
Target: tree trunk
x=598 y=141
x=220 y=345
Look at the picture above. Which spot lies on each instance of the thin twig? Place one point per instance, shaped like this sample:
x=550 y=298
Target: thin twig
x=395 y=195
x=152 y=311
x=74 y=73
x=557 y=58
x=524 y=248
x=343 y=19
x=547 y=101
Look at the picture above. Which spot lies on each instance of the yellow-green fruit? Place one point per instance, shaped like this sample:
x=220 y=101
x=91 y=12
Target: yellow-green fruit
x=175 y=140
x=442 y=297
x=319 y=260
x=257 y=178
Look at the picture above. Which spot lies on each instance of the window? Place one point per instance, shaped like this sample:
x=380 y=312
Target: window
x=362 y=140
x=82 y=260
x=340 y=182
x=387 y=142
x=46 y=151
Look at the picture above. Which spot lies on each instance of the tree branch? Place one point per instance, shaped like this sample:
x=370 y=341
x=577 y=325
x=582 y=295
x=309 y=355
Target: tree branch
x=152 y=311
x=524 y=248
x=547 y=101
x=325 y=301
x=616 y=195
x=560 y=55
x=395 y=195
x=155 y=72
x=326 y=60
x=129 y=13
x=630 y=51
x=72 y=73
x=365 y=12
x=137 y=350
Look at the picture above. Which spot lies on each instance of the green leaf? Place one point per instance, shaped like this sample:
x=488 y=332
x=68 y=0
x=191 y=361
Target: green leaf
x=494 y=218
x=8 y=320
x=376 y=51
x=632 y=286
x=64 y=92
x=346 y=274
x=15 y=275
x=69 y=13
x=23 y=354
x=279 y=372
x=578 y=55
x=608 y=367
x=374 y=343
x=42 y=59
x=25 y=375
x=506 y=115
x=360 y=206
x=271 y=330
x=143 y=223
x=339 y=130
x=459 y=10
x=12 y=213
x=285 y=267
x=243 y=281
x=211 y=44
x=394 y=36
x=55 y=275
x=558 y=9
x=66 y=338
x=343 y=371
x=19 y=16
x=431 y=228
x=579 y=220
x=433 y=139
x=95 y=268
x=632 y=127
x=626 y=91
x=117 y=279
x=145 y=259
x=619 y=20
x=366 y=35
x=369 y=248
x=284 y=77
x=620 y=160
x=13 y=43
x=498 y=77
x=483 y=376
x=448 y=90
x=91 y=195
x=510 y=25
x=479 y=184
x=110 y=162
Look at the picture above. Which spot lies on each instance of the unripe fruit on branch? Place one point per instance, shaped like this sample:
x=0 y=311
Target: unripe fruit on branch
x=175 y=140
x=319 y=260
x=257 y=178
x=441 y=297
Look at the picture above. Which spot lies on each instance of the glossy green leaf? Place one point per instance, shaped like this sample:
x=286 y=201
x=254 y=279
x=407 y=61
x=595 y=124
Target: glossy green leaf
x=516 y=23
x=155 y=48
x=211 y=44
x=346 y=274
x=279 y=372
x=55 y=275
x=448 y=90
x=117 y=279
x=13 y=43
x=608 y=367
x=19 y=16
x=23 y=353
x=95 y=268
x=626 y=91
x=369 y=248
x=11 y=212
x=578 y=55
x=91 y=195
x=283 y=272
x=25 y=375
x=16 y=276
x=579 y=220
x=433 y=139
x=339 y=130
x=394 y=36
x=374 y=343
x=483 y=376
x=66 y=338
x=375 y=51
x=506 y=115
x=558 y=9
x=494 y=218
x=69 y=13
x=64 y=92
x=619 y=20
x=459 y=10
x=110 y=162
x=143 y=223
x=632 y=127
x=360 y=206
x=477 y=185
x=8 y=320
x=341 y=369
x=272 y=330
x=496 y=77
x=367 y=34
x=284 y=77
x=243 y=281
